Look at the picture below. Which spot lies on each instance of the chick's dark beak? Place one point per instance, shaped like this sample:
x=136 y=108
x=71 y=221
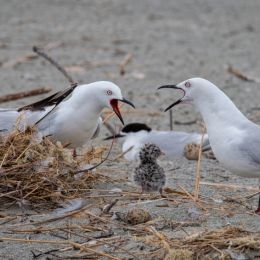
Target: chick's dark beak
x=114 y=105
x=178 y=101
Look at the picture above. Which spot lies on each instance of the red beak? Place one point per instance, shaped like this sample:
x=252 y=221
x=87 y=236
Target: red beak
x=114 y=105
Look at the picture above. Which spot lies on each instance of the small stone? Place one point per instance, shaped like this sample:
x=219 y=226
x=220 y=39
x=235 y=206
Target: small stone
x=134 y=216
x=137 y=216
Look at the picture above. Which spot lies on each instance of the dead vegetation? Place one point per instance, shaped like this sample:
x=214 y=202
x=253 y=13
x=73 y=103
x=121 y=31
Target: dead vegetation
x=37 y=171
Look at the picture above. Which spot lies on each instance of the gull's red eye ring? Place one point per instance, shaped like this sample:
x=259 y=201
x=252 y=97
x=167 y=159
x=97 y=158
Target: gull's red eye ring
x=109 y=92
x=187 y=84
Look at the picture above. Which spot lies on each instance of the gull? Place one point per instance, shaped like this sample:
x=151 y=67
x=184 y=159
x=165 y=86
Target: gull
x=234 y=139
x=172 y=143
x=71 y=116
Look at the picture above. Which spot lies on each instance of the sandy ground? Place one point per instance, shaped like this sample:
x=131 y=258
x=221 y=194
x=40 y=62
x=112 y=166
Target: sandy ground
x=170 y=41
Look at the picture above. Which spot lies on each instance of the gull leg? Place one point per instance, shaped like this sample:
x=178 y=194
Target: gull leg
x=142 y=191
x=74 y=153
x=258 y=208
x=161 y=193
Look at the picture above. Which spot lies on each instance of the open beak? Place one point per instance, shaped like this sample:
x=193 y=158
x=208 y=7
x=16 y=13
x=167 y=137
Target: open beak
x=179 y=100
x=113 y=136
x=114 y=105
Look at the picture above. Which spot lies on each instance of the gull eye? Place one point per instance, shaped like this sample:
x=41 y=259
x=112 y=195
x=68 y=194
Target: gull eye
x=109 y=92
x=187 y=84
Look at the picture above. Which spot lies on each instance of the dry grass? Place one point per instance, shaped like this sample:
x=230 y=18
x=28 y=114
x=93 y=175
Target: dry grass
x=204 y=245
x=37 y=172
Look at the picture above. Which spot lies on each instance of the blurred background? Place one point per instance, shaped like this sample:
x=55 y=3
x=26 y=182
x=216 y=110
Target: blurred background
x=167 y=41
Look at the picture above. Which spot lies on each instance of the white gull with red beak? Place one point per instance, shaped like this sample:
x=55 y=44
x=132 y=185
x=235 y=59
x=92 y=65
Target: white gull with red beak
x=74 y=120
x=234 y=139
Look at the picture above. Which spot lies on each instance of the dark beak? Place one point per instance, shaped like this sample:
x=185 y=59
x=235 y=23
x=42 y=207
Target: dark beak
x=178 y=101
x=127 y=102
x=114 y=105
x=113 y=136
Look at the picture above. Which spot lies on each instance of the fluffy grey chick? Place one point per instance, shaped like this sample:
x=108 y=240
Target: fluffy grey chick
x=149 y=175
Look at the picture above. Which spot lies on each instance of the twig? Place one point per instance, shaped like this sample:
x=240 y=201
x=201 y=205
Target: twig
x=160 y=236
x=192 y=198
x=33 y=240
x=95 y=166
x=84 y=248
x=23 y=94
x=171 y=122
x=253 y=195
x=69 y=214
x=109 y=127
x=110 y=115
x=108 y=207
x=122 y=154
x=124 y=62
x=43 y=253
x=197 y=180
x=240 y=75
x=41 y=53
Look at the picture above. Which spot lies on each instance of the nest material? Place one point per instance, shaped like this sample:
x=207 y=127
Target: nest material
x=33 y=170
x=215 y=244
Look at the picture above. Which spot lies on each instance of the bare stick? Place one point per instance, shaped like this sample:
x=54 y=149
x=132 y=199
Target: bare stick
x=87 y=249
x=95 y=166
x=109 y=127
x=41 y=53
x=108 y=207
x=34 y=240
x=160 y=236
x=171 y=123
x=23 y=94
x=197 y=181
x=192 y=198
x=125 y=61
x=122 y=154
x=240 y=75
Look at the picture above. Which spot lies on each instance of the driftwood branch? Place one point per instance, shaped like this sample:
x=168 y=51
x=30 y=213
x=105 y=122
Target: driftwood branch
x=124 y=62
x=41 y=53
x=241 y=75
x=23 y=94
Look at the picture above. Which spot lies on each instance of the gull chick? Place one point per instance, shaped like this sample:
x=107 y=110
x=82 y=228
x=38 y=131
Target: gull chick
x=171 y=143
x=149 y=175
x=71 y=116
x=235 y=140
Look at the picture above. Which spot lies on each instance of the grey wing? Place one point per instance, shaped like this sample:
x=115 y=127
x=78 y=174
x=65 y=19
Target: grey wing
x=8 y=118
x=250 y=146
x=172 y=143
x=11 y=119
